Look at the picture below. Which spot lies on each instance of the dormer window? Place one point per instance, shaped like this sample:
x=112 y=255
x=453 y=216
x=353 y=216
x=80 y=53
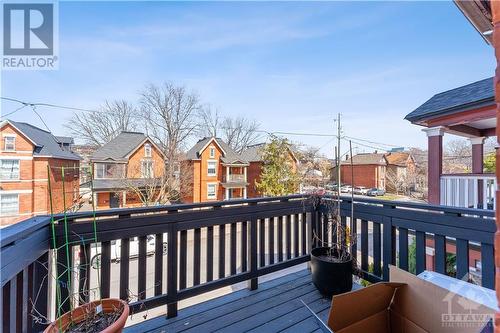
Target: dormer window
x=147 y=150
x=10 y=143
x=212 y=152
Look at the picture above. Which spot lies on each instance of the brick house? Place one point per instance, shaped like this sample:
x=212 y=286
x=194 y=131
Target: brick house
x=212 y=170
x=27 y=154
x=127 y=163
x=253 y=154
x=368 y=170
x=400 y=170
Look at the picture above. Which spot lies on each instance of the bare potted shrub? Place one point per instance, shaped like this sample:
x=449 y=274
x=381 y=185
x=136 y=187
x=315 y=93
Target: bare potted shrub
x=332 y=262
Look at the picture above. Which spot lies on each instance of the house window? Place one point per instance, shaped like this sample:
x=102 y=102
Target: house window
x=9 y=204
x=211 y=191
x=147 y=169
x=10 y=143
x=109 y=170
x=9 y=169
x=147 y=150
x=212 y=168
x=212 y=152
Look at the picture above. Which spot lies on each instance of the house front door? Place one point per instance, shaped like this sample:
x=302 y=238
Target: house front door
x=114 y=200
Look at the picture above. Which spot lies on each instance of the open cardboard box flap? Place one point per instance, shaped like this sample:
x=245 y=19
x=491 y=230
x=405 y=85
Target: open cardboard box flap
x=405 y=304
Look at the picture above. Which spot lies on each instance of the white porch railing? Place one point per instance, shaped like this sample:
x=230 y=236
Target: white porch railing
x=235 y=178
x=468 y=190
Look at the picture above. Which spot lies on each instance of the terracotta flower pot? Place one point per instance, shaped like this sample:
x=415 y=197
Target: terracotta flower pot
x=79 y=314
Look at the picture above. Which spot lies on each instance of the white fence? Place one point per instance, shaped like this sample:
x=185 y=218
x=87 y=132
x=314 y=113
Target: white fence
x=469 y=190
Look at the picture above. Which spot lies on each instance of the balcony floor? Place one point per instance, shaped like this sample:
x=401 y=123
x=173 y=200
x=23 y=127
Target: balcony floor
x=274 y=307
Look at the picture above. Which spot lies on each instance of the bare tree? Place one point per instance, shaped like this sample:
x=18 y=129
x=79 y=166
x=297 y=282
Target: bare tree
x=237 y=132
x=457 y=156
x=171 y=114
x=100 y=127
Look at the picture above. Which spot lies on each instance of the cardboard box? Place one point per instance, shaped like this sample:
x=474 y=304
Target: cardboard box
x=408 y=304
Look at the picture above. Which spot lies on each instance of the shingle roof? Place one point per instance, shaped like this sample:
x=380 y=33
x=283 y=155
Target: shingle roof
x=253 y=153
x=398 y=158
x=229 y=155
x=460 y=99
x=118 y=148
x=115 y=184
x=46 y=143
x=366 y=159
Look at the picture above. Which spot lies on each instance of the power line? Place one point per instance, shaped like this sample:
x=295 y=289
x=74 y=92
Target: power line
x=19 y=108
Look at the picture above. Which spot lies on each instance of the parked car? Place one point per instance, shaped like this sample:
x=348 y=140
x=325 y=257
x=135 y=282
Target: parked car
x=360 y=190
x=346 y=189
x=96 y=253
x=375 y=192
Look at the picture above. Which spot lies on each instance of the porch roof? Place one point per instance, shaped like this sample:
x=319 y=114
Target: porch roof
x=471 y=96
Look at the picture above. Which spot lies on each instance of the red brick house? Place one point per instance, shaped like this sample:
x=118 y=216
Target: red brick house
x=367 y=169
x=212 y=170
x=128 y=162
x=26 y=154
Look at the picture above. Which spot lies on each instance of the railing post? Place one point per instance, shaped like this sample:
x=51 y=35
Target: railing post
x=172 y=271
x=41 y=278
x=252 y=250
x=389 y=243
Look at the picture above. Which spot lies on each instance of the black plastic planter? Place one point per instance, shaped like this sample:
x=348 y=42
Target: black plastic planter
x=331 y=278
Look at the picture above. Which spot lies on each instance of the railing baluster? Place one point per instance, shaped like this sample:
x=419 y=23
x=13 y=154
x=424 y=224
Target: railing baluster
x=377 y=251
x=388 y=244
x=19 y=301
x=105 y=269
x=84 y=274
x=6 y=309
x=295 y=235
x=487 y=266
x=40 y=289
x=280 y=239
x=158 y=283
x=124 y=268
x=420 y=251
x=29 y=298
x=62 y=278
x=271 y=240
x=288 y=231
x=183 y=260
x=197 y=257
x=325 y=236
x=303 y=237
x=262 y=242
x=232 y=264
x=252 y=241
x=210 y=253
x=462 y=258
x=403 y=248
x=364 y=245
x=354 y=237
x=222 y=251
x=314 y=229
x=142 y=269
x=440 y=254
x=244 y=246
x=172 y=271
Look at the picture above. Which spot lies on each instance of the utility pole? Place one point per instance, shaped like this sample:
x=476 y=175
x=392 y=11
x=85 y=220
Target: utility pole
x=339 y=128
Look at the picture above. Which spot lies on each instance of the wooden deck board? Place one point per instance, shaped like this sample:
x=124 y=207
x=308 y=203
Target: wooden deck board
x=274 y=307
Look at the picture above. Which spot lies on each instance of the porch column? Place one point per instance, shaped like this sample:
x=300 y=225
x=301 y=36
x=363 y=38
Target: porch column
x=227 y=194
x=245 y=173
x=477 y=154
x=244 y=193
x=227 y=173
x=434 y=163
x=495 y=10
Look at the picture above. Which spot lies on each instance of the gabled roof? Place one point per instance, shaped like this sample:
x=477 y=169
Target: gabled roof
x=229 y=156
x=120 y=147
x=45 y=143
x=366 y=159
x=468 y=97
x=398 y=158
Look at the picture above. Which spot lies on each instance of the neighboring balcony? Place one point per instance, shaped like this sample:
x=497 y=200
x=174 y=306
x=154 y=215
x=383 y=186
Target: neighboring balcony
x=235 y=178
x=468 y=190
x=171 y=253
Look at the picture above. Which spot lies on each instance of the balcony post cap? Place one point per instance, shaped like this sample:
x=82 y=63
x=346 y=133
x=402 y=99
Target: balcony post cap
x=434 y=131
x=477 y=140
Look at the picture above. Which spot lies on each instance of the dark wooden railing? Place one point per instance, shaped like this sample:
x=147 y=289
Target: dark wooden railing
x=213 y=245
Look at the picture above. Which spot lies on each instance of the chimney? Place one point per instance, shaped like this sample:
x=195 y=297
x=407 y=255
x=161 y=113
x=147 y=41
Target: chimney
x=347 y=157
x=376 y=151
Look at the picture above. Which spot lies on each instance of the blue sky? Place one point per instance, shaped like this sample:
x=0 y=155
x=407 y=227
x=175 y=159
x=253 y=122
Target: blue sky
x=291 y=66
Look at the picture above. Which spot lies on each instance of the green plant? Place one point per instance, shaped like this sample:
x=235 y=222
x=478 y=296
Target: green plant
x=278 y=176
x=490 y=162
